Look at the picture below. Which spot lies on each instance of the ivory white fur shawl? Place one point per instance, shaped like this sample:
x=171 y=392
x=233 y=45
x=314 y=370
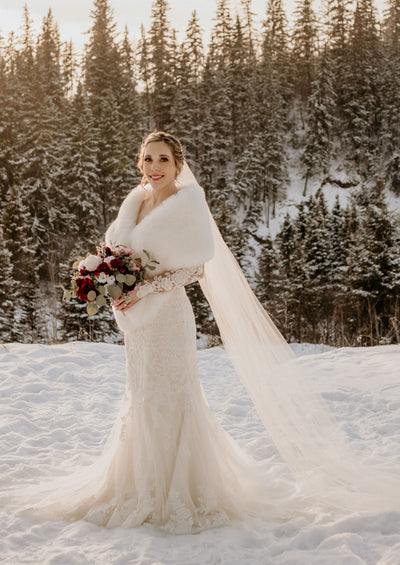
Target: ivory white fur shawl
x=177 y=233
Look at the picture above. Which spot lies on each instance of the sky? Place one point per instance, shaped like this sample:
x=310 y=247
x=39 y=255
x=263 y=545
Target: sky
x=73 y=16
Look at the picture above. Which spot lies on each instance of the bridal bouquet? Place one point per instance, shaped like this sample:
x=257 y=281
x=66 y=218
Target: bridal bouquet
x=105 y=276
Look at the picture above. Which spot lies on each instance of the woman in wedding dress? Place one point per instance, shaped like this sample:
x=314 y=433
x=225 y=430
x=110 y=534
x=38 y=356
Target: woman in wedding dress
x=167 y=460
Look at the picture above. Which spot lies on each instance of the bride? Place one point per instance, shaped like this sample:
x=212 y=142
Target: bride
x=167 y=460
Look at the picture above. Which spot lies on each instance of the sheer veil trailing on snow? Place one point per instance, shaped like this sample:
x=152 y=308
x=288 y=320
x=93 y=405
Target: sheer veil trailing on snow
x=303 y=428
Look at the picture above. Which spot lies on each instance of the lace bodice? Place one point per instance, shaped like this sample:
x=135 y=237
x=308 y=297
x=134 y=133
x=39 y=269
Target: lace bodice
x=170 y=280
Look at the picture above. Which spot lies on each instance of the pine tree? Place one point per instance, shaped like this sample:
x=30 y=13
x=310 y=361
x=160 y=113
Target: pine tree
x=216 y=149
x=24 y=271
x=319 y=134
x=111 y=185
x=288 y=246
x=187 y=102
x=240 y=102
x=249 y=172
x=250 y=63
x=338 y=20
x=273 y=90
x=275 y=49
x=208 y=159
x=69 y=69
x=220 y=94
x=7 y=284
x=161 y=55
x=338 y=245
x=82 y=173
x=304 y=39
x=273 y=182
x=275 y=178
x=363 y=109
x=371 y=271
x=129 y=116
x=42 y=147
x=391 y=26
x=316 y=286
x=17 y=77
x=143 y=55
x=102 y=69
x=49 y=80
x=391 y=100
x=372 y=263
x=8 y=121
x=267 y=275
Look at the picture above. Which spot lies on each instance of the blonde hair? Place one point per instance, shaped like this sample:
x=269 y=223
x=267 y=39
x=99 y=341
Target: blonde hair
x=173 y=143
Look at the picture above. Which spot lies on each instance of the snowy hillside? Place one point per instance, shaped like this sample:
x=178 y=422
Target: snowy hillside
x=58 y=403
x=339 y=183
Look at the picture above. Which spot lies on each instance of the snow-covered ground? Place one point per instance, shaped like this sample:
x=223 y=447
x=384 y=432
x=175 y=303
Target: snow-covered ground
x=58 y=403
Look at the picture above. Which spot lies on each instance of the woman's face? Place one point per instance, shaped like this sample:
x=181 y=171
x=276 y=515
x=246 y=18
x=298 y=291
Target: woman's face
x=159 y=164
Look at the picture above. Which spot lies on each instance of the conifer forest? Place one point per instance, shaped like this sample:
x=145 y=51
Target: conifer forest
x=312 y=107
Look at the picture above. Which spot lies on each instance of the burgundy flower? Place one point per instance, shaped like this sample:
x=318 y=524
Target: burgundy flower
x=102 y=268
x=116 y=263
x=84 y=286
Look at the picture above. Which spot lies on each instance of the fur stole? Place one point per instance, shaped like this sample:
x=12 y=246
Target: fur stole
x=177 y=233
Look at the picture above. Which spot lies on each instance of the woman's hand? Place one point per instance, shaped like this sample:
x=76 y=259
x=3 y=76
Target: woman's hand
x=126 y=301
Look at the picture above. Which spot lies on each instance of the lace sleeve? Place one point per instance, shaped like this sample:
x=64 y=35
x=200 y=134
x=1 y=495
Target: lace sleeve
x=170 y=280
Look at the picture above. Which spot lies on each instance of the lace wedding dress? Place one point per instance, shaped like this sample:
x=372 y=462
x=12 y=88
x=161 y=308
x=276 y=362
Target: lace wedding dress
x=175 y=466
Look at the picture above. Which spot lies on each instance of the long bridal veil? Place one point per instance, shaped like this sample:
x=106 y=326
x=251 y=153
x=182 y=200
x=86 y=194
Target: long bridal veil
x=285 y=394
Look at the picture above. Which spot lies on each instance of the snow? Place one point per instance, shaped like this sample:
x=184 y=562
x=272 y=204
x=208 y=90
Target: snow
x=59 y=401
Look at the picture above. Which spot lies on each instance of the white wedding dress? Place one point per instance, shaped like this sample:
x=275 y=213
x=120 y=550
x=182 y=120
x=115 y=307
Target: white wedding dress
x=167 y=460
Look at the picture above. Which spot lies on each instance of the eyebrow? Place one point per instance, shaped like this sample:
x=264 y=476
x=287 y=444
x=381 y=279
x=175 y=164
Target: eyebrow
x=161 y=155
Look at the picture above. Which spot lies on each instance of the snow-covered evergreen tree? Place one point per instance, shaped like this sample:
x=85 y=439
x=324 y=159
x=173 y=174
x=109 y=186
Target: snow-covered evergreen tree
x=391 y=101
x=161 y=56
x=338 y=246
x=288 y=245
x=7 y=286
x=82 y=172
x=275 y=50
x=102 y=69
x=130 y=109
x=186 y=113
x=319 y=134
x=338 y=20
x=24 y=272
x=363 y=110
x=304 y=40
x=267 y=275
x=372 y=262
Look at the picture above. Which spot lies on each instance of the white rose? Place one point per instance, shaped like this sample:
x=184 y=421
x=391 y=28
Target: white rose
x=91 y=262
x=110 y=279
x=102 y=277
x=109 y=258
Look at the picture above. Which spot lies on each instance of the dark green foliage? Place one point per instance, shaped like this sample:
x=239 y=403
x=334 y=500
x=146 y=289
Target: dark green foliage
x=339 y=271
x=256 y=112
